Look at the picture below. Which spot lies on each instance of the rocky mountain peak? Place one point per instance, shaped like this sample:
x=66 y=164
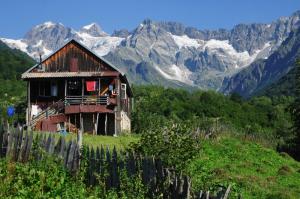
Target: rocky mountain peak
x=121 y=33
x=175 y=28
x=147 y=21
x=47 y=36
x=93 y=29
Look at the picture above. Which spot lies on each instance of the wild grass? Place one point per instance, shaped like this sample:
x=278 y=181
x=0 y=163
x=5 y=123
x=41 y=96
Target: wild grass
x=120 y=142
x=253 y=170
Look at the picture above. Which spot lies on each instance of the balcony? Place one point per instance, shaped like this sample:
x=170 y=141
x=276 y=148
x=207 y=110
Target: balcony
x=87 y=100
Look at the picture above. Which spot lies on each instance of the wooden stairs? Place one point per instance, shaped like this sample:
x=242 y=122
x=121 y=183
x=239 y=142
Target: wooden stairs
x=54 y=109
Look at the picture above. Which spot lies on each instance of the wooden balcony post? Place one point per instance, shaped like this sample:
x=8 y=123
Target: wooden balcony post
x=82 y=90
x=99 y=87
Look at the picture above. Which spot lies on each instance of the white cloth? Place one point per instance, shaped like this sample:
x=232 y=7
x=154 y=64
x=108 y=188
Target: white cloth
x=54 y=90
x=34 y=110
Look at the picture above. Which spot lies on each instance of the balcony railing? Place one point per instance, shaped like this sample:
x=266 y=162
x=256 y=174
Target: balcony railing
x=75 y=100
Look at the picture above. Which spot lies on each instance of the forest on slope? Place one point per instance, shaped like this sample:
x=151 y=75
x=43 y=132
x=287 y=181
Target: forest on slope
x=13 y=63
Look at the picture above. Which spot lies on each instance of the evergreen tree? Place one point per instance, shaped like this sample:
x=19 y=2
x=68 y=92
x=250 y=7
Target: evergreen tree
x=295 y=112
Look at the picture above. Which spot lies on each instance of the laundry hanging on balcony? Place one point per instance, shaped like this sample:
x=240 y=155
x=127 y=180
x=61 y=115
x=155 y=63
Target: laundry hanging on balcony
x=90 y=85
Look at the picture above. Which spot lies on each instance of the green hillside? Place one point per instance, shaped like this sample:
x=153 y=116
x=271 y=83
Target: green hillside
x=260 y=116
x=252 y=170
x=285 y=86
x=12 y=64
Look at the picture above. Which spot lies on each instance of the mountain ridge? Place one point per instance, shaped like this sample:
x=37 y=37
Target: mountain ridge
x=162 y=52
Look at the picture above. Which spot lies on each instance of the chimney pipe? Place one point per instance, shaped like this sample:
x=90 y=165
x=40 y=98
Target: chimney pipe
x=40 y=63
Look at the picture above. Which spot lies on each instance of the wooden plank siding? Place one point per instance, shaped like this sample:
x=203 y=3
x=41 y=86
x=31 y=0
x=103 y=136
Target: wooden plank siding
x=71 y=54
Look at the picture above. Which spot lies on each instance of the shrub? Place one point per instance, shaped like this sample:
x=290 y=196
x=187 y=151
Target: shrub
x=176 y=145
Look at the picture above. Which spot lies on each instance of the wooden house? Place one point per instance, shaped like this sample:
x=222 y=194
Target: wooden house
x=74 y=89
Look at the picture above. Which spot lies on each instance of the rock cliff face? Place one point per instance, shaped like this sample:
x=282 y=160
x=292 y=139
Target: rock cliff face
x=170 y=53
x=261 y=73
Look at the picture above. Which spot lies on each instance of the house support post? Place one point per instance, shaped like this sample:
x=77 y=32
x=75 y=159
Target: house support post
x=28 y=107
x=105 y=124
x=94 y=123
x=69 y=125
x=65 y=88
x=96 y=126
x=80 y=132
x=118 y=108
x=76 y=121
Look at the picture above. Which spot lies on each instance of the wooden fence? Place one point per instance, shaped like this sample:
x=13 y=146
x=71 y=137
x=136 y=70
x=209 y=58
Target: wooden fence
x=154 y=176
x=22 y=146
x=103 y=164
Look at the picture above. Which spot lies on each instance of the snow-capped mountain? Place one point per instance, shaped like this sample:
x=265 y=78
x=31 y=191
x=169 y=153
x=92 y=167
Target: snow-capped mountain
x=168 y=53
x=45 y=38
x=269 y=73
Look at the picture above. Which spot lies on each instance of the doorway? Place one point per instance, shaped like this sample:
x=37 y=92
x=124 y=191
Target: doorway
x=106 y=124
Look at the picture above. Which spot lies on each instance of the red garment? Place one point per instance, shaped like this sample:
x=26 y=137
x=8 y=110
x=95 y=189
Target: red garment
x=90 y=85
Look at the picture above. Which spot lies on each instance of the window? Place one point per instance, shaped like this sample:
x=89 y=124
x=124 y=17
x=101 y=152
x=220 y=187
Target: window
x=45 y=88
x=123 y=91
x=74 y=88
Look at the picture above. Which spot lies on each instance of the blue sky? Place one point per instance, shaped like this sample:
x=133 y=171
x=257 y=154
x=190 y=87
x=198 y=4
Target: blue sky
x=18 y=16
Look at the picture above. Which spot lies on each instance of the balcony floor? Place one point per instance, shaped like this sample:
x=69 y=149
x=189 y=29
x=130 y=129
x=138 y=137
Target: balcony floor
x=82 y=108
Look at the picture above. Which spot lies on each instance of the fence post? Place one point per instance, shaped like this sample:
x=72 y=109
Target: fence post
x=227 y=192
x=23 y=147
x=108 y=166
x=29 y=146
x=114 y=169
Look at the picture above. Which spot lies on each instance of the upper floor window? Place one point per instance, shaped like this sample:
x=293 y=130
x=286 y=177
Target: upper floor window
x=123 y=91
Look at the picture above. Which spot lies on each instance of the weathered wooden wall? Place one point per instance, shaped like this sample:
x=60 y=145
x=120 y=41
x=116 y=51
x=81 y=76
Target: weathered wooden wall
x=72 y=54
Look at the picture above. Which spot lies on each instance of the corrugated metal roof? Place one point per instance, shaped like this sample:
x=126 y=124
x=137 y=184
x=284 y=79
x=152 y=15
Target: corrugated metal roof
x=68 y=74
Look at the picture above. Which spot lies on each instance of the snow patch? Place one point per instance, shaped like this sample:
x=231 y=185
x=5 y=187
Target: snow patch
x=100 y=45
x=220 y=48
x=223 y=48
x=185 y=41
x=49 y=24
x=16 y=44
x=87 y=27
x=46 y=52
x=181 y=74
x=176 y=73
x=38 y=44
